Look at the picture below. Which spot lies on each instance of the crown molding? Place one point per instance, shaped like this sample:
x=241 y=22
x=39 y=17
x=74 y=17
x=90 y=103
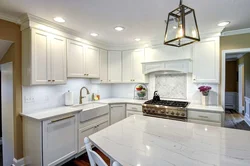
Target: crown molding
x=236 y=32
x=30 y=21
x=9 y=18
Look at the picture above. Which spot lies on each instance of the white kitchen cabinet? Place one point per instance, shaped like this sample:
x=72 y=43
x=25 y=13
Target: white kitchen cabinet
x=114 y=66
x=205 y=117
x=206 y=57
x=43 y=58
x=82 y=60
x=117 y=113
x=132 y=67
x=103 y=66
x=92 y=65
x=75 y=58
x=133 y=109
x=59 y=139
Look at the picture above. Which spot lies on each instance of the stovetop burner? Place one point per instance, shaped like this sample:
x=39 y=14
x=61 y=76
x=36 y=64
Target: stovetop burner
x=171 y=103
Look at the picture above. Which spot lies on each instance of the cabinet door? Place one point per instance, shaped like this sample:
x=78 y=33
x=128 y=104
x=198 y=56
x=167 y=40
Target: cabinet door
x=91 y=64
x=58 y=60
x=85 y=132
x=117 y=113
x=40 y=58
x=75 y=56
x=137 y=59
x=127 y=75
x=59 y=139
x=206 y=61
x=103 y=66
x=114 y=66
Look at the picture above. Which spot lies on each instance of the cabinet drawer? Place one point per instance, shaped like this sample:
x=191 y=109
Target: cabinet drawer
x=131 y=113
x=134 y=107
x=204 y=116
x=204 y=122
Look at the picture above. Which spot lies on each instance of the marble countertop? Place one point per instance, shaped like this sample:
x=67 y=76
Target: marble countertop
x=147 y=141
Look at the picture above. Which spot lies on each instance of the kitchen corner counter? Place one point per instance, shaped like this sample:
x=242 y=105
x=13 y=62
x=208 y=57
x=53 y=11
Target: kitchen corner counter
x=197 y=107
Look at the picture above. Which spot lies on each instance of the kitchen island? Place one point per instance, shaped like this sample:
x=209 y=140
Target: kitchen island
x=140 y=140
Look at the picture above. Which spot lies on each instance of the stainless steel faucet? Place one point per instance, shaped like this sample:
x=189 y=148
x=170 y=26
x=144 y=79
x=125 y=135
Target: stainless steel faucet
x=81 y=97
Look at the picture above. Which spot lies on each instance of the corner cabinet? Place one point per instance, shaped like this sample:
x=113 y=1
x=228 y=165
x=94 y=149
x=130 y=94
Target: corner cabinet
x=114 y=66
x=43 y=58
x=132 y=67
x=82 y=60
x=206 y=57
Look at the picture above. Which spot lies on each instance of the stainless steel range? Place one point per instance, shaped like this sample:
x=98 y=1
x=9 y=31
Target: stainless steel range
x=165 y=108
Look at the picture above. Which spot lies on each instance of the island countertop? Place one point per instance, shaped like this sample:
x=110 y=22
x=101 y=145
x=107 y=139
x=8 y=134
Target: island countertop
x=143 y=141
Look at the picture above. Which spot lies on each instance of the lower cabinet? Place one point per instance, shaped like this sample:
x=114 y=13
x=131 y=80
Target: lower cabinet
x=90 y=127
x=133 y=109
x=205 y=117
x=59 y=139
x=49 y=142
x=117 y=113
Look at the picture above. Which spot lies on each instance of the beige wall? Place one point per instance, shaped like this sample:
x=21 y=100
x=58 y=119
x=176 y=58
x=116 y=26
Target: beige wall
x=234 y=42
x=11 y=32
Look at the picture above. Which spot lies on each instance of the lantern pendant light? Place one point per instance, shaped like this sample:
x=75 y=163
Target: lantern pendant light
x=182 y=28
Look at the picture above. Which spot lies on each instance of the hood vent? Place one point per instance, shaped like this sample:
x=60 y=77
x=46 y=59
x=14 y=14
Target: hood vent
x=182 y=66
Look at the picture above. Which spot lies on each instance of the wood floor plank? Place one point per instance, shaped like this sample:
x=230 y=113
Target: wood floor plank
x=235 y=120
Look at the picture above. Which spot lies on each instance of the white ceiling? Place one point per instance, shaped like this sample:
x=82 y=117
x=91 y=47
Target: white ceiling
x=4 y=46
x=141 y=18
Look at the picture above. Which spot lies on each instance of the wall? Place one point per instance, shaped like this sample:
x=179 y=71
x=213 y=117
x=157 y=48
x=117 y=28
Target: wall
x=231 y=76
x=53 y=96
x=11 y=32
x=193 y=94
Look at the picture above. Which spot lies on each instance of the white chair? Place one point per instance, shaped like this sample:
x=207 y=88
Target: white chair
x=94 y=158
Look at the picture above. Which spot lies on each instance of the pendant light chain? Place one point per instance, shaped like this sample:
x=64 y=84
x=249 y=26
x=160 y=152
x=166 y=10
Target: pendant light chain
x=180 y=2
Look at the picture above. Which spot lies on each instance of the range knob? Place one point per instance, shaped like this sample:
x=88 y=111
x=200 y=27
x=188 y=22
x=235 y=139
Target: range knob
x=182 y=114
x=172 y=113
x=177 y=113
x=162 y=111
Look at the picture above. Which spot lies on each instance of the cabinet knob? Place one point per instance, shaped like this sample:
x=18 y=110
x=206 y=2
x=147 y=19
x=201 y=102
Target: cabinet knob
x=53 y=80
x=49 y=80
x=101 y=80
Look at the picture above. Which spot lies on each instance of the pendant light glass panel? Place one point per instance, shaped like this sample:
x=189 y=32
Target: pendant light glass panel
x=181 y=27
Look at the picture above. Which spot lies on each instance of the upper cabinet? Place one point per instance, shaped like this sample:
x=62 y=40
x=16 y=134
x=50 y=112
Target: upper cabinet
x=132 y=67
x=206 y=58
x=103 y=66
x=43 y=58
x=163 y=53
x=114 y=66
x=82 y=60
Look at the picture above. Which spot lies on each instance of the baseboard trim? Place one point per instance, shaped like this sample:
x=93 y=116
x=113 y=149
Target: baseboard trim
x=19 y=162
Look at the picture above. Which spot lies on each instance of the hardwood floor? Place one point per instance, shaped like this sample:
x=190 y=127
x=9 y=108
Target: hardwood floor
x=235 y=120
x=83 y=160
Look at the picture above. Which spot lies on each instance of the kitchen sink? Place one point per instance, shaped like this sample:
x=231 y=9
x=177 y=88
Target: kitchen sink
x=91 y=110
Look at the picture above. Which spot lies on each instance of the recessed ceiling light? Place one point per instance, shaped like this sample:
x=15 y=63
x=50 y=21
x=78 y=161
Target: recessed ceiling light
x=174 y=27
x=94 y=34
x=137 y=39
x=222 y=24
x=59 y=19
x=119 y=28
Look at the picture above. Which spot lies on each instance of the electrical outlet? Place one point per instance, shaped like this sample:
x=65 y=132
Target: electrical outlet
x=29 y=99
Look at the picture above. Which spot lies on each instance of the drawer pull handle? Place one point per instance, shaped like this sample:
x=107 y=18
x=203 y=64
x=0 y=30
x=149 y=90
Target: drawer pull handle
x=116 y=106
x=57 y=120
x=203 y=116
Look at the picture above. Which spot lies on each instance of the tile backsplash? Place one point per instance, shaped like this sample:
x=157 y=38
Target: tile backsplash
x=53 y=96
x=172 y=86
x=192 y=93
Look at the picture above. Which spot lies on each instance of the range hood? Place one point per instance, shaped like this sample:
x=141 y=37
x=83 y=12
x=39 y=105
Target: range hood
x=179 y=65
